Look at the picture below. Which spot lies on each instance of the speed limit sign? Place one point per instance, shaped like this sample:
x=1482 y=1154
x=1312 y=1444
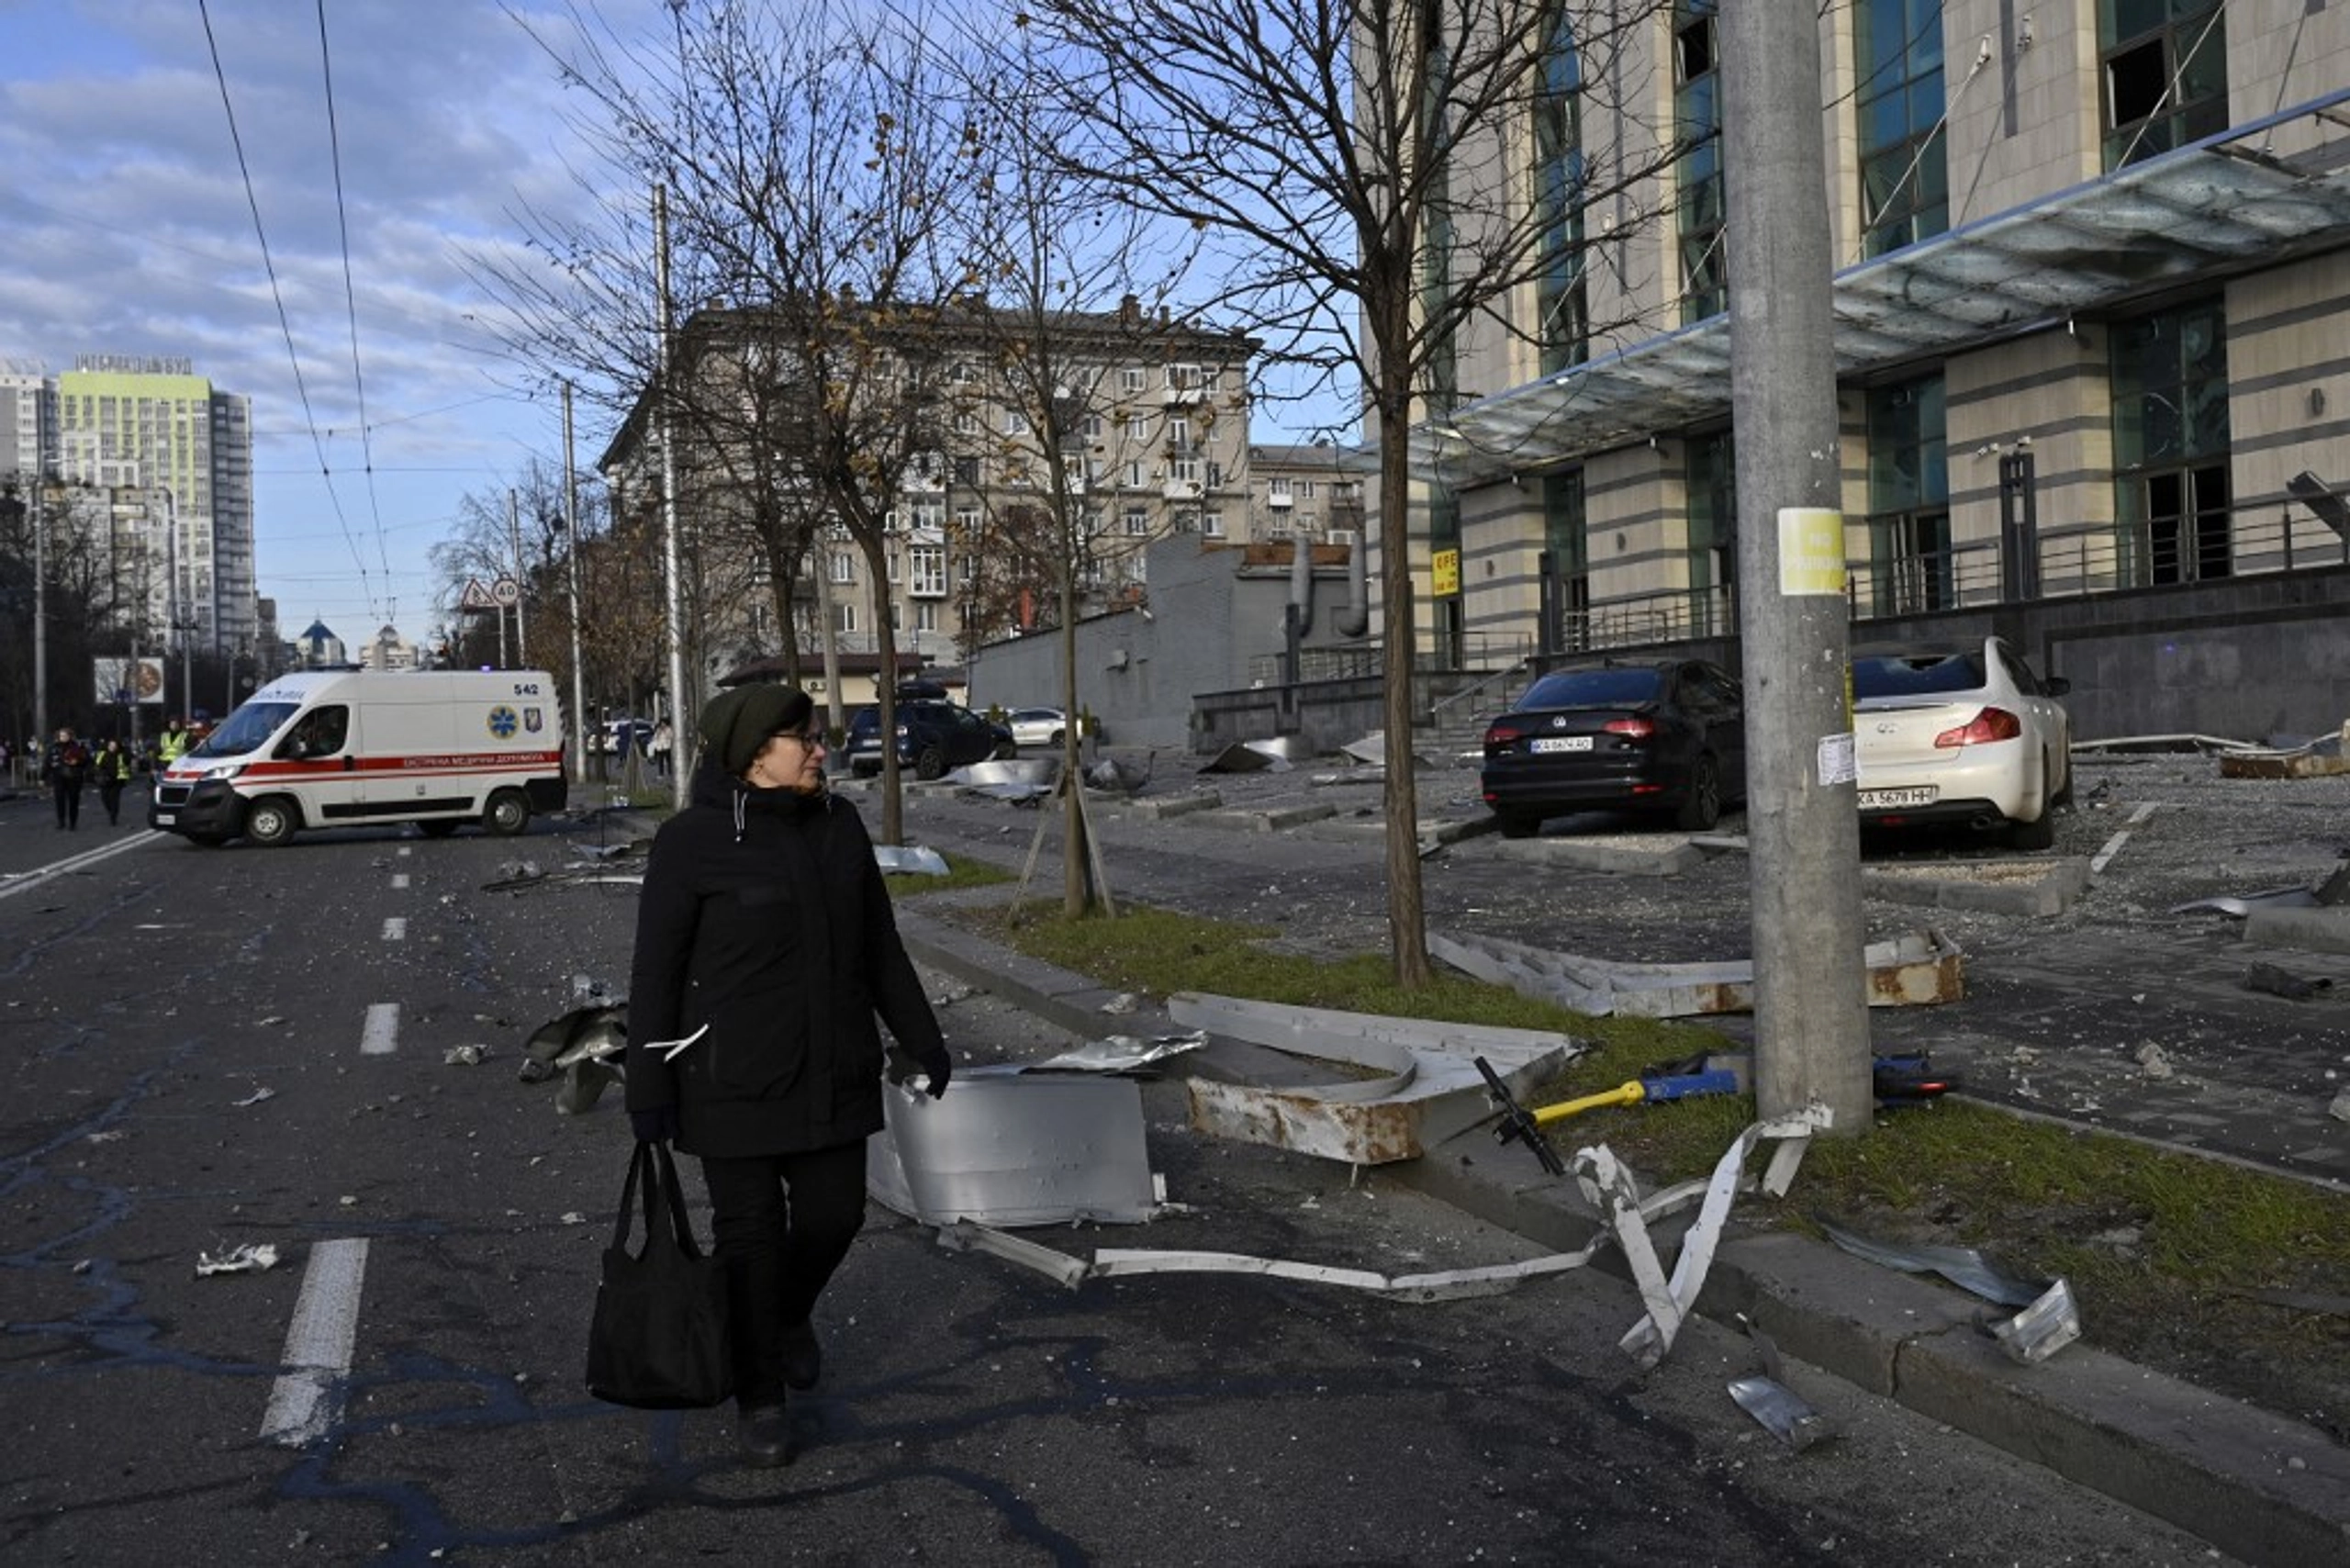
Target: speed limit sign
x=507 y=592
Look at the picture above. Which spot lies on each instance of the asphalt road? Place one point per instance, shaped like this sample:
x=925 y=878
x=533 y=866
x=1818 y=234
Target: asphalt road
x=972 y=1412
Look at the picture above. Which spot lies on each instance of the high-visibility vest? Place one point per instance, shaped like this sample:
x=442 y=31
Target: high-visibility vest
x=173 y=742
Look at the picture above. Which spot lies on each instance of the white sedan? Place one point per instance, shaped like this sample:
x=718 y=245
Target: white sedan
x=1960 y=735
x=1038 y=727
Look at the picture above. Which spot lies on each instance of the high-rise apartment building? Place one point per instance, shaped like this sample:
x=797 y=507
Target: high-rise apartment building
x=154 y=428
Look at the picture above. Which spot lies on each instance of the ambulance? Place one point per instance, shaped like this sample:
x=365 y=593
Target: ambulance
x=352 y=748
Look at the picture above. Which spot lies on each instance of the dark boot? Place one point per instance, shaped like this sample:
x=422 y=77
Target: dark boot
x=803 y=1358
x=764 y=1435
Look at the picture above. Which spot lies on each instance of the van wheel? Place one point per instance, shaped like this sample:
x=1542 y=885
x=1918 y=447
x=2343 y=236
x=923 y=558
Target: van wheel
x=271 y=821
x=931 y=763
x=508 y=814
x=442 y=828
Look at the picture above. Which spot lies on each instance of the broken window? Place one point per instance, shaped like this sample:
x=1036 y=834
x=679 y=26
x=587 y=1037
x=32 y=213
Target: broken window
x=2165 y=75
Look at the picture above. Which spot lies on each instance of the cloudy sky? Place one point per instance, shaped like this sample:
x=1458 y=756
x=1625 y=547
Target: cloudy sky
x=128 y=231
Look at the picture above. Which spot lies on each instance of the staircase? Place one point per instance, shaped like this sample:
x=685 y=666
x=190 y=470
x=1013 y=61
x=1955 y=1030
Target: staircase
x=1455 y=735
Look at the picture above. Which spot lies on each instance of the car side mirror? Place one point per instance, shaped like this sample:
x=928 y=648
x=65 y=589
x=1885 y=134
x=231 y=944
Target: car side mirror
x=2056 y=685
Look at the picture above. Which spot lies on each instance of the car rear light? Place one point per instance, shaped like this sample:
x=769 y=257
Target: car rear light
x=1502 y=734
x=1991 y=724
x=1638 y=729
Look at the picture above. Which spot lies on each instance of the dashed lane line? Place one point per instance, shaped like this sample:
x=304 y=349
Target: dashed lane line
x=381 y=1035
x=317 y=1357
x=395 y=928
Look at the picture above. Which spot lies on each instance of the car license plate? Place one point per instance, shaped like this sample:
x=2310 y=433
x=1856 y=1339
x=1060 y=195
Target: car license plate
x=165 y=818
x=1561 y=742
x=1888 y=800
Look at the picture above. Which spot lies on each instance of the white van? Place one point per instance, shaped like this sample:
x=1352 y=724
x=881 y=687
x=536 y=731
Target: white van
x=344 y=748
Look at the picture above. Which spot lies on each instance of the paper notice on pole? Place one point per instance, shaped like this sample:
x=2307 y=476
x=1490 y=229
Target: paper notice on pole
x=1836 y=761
x=1811 y=551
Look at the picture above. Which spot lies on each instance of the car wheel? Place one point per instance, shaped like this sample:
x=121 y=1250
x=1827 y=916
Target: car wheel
x=1702 y=807
x=271 y=821
x=508 y=814
x=1005 y=751
x=1518 y=825
x=2037 y=833
x=439 y=829
x=930 y=762
x=1058 y=737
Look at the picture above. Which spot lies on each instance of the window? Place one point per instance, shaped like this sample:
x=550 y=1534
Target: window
x=1909 y=548
x=1278 y=489
x=1215 y=475
x=843 y=566
x=926 y=616
x=1183 y=469
x=1212 y=524
x=1697 y=121
x=1566 y=541
x=967 y=472
x=1711 y=476
x=962 y=375
x=2166 y=70
x=966 y=423
x=1131 y=378
x=1015 y=422
x=1905 y=179
x=1137 y=523
x=926 y=570
x=1562 y=307
x=967 y=523
x=1091 y=427
x=896 y=564
x=2172 y=504
x=843 y=616
x=1132 y=479
x=930 y=518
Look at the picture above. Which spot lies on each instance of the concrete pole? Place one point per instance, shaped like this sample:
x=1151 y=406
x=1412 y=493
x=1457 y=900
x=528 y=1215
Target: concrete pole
x=40 y=612
x=514 y=540
x=571 y=544
x=1803 y=831
x=680 y=724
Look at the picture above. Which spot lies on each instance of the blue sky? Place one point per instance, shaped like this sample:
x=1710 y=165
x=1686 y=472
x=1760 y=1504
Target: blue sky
x=128 y=231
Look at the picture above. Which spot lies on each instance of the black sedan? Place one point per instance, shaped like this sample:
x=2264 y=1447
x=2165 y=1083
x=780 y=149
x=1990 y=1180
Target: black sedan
x=932 y=736
x=1664 y=736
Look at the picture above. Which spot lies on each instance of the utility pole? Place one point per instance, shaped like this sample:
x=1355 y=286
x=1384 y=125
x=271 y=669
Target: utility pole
x=514 y=543
x=680 y=729
x=1802 y=823
x=571 y=539
x=40 y=610
x=176 y=618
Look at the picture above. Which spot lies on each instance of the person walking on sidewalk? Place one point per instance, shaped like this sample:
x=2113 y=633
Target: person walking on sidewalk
x=113 y=767
x=65 y=767
x=658 y=745
x=766 y=946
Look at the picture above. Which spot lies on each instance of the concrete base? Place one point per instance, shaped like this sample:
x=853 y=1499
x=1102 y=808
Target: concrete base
x=2323 y=929
x=1621 y=859
x=2048 y=886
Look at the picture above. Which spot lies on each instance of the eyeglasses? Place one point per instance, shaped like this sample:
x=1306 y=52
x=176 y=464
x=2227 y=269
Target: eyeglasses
x=807 y=738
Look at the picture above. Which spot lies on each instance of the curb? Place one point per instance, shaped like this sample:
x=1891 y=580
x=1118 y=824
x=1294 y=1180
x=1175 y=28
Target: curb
x=2264 y=1488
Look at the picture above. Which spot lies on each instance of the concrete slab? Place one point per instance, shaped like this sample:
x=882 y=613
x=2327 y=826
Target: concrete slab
x=1618 y=858
x=2320 y=929
x=2036 y=886
x=1167 y=809
x=1265 y=820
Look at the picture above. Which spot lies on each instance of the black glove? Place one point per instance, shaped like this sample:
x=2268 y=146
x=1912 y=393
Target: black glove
x=657 y=1124
x=940 y=1072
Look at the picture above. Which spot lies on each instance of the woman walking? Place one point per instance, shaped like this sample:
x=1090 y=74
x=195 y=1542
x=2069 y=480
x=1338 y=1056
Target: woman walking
x=113 y=767
x=766 y=947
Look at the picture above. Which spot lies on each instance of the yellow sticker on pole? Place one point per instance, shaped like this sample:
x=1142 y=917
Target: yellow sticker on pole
x=1811 y=551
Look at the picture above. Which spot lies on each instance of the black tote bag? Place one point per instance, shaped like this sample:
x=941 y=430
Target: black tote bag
x=658 y=1342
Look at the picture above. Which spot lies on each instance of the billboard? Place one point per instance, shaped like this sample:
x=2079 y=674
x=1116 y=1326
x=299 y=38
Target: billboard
x=127 y=680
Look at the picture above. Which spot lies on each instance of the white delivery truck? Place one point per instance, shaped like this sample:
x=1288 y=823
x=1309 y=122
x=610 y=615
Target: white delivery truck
x=347 y=749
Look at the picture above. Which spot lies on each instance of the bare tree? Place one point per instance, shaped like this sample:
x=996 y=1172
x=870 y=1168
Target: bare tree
x=1351 y=158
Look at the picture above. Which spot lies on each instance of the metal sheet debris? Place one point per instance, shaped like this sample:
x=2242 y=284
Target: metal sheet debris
x=1920 y=967
x=1120 y=1053
x=1113 y=777
x=2040 y=1330
x=2282 y=982
x=462 y=1056
x=255 y=1098
x=910 y=859
x=1371 y=748
x=1428 y=1090
x=2334 y=890
x=1962 y=1266
x=246 y=1259
x=1782 y=1411
x=1017 y=1149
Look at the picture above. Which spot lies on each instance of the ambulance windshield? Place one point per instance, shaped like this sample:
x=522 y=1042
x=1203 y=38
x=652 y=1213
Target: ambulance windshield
x=246 y=729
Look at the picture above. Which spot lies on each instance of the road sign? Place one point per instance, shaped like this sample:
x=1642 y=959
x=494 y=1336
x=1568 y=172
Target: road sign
x=477 y=596
x=507 y=592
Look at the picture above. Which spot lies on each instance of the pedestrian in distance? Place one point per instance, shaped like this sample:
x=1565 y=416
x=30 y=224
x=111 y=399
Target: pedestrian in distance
x=112 y=766
x=172 y=744
x=766 y=948
x=657 y=746
x=65 y=767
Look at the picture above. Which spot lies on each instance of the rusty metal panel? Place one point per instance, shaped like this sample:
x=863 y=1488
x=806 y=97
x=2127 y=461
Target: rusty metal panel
x=1361 y=1132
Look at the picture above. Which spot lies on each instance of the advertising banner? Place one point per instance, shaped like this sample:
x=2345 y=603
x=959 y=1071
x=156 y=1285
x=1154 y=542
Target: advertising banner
x=120 y=680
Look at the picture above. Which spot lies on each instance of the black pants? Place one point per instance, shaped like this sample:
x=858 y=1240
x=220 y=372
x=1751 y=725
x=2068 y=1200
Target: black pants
x=782 y=1222
x=69 y=802
x=110 y=795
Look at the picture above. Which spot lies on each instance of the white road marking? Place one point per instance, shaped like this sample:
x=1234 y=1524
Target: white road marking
x=316 y=1356
x=21 y=881
x=395 y=928
x=2145 y=811
x=382 y=1034
x=2112 y=848
x=400 y=881
x=407 y=850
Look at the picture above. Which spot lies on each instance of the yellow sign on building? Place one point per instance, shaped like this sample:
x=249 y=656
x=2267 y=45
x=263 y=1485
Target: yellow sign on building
x=1444 y=573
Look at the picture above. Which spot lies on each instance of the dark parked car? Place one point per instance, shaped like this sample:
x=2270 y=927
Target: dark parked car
x=1668 y=736
x=933 y=736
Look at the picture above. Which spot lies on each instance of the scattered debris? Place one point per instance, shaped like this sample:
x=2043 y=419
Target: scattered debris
x=2051 y=1322
x=272 y=1022
x=1014 y=1149
x=2340 y=1109
x=1018 y=779
x=1783 y=1412
x=2150 y=1058
x=910 y=859
x=1428 y=1089
x=1120 y=1053
x=2335 y=890
x=247 y=1259
x=255 y=1098
x=1962 y=1266
x=1125 y=1001
x=2282 y=982
x=1113 y=777
x=462 y=1056
x=1919 y=968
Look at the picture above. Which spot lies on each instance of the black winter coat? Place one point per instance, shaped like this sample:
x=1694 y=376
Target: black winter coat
x=764 y=917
